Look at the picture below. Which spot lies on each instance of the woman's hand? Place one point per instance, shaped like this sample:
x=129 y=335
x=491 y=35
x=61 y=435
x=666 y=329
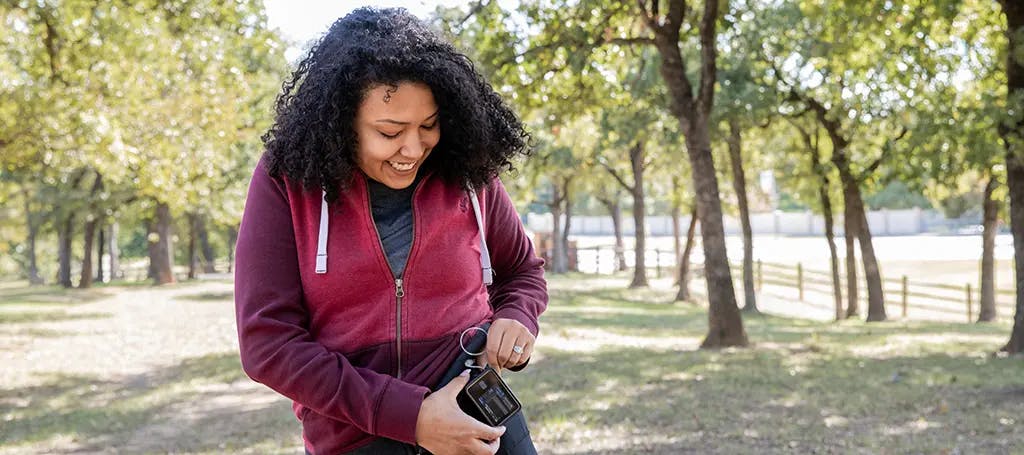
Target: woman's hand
x=509 y=344
x=442 y=428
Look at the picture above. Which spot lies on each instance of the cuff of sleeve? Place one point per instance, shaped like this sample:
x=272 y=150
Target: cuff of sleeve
x=518 y=315
x=398 y=410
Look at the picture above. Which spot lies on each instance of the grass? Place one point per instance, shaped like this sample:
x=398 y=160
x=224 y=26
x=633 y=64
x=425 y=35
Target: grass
x=616 y=371
x=620 y=373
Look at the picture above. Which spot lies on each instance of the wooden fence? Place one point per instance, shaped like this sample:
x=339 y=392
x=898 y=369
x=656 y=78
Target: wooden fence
x=921 y=296
x=912 y=297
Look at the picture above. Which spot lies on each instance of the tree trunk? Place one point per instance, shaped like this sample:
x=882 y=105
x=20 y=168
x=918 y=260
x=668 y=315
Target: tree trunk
x=89 y=235
x=85 y=281
x=677 y=235
x=725 y=325
x=1013 y=140
x=232 y=238
x=636 y=160
x=101 y=244
x=64 y=238
x=33 y=232
x=568 y=223
x=850 y=236
x=739 y=184
x=825 y=198
x=620 y=246
x=193 y=258
x=987 y=312
x=115 y=253
x=684 y=260
x=858 y=218
x=209 y=257
x=161 y=251
x=558 y=264
x=830 y=236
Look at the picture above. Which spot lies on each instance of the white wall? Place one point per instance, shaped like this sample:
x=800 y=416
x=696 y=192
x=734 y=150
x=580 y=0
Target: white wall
x=881 y=222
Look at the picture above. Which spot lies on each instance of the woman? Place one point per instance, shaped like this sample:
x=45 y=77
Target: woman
x=365 y=251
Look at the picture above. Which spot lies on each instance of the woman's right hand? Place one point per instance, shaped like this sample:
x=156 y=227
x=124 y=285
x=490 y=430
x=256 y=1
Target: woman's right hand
x=442 y=428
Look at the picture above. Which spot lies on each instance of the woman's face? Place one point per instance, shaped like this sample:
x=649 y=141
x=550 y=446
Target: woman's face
x=397 y=127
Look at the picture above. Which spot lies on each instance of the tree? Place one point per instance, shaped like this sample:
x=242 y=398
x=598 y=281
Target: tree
x=693 y=112
x=743 y=105
x=165 y=129
x=1012 y=133
x=812 y=144
x=638 y=164
x=826 y=64
x=610 y=196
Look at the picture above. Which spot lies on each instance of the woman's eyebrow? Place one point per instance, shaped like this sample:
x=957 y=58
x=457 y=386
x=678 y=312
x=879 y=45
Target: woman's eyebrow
x=396 y=122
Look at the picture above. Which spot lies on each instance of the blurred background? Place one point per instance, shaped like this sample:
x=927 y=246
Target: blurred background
x=817 y=164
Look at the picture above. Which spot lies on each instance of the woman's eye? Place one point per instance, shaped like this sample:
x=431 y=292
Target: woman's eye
x=429 y=127
x=390 y=136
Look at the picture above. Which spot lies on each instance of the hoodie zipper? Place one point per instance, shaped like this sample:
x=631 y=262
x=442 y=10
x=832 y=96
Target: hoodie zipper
x=399 y=286
x=399 y=293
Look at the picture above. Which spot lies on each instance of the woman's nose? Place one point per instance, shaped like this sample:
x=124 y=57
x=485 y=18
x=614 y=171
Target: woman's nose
x=413 y=146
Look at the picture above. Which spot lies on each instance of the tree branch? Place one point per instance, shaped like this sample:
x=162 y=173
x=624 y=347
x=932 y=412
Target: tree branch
x=677 y=11
x=616 y=175
x=649 y=18
x=480 y=4
x=629 y=41
x=886 y=151
x=708 y=54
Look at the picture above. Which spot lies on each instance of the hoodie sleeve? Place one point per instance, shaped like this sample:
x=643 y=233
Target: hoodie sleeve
x=519 y=290
x=276 y=346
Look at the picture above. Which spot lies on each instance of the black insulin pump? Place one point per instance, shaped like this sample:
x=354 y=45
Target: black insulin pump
x=488 y=399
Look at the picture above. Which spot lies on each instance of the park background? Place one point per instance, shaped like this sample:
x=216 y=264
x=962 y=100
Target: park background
x=849 y=287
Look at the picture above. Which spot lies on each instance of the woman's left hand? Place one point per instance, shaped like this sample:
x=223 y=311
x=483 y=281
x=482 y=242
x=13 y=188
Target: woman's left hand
x=509 y=344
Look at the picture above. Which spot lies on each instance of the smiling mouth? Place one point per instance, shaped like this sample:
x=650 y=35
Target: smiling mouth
x=401 y=166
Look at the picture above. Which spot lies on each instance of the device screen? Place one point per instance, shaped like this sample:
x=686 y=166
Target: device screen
x=493 y=398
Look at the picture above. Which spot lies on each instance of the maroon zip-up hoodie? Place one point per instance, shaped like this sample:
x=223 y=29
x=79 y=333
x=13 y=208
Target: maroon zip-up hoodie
x=355 y=348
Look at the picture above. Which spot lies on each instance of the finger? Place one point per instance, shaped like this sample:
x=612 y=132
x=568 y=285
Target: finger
x=494 y=340
x=527 y=353
x=488 y=433
x=480 y=447
x=520 y=358
x=507 y=352
x=456 y=384
x=494 y=445
x=512 y=357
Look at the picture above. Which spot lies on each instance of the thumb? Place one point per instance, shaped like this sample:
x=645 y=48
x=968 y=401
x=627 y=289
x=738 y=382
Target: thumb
x=456 y=384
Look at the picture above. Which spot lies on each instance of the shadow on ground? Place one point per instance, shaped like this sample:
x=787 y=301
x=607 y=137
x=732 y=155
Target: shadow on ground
x=204 y=404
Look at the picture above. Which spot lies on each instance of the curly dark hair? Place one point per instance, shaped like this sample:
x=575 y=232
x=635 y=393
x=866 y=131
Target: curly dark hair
x=313 y=140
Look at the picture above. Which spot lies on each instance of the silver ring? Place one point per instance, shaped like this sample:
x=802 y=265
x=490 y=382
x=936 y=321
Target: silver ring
x=463 y=346
x=517 y=349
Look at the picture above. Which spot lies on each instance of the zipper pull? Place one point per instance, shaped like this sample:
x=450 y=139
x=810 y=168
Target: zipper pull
x=399 y=290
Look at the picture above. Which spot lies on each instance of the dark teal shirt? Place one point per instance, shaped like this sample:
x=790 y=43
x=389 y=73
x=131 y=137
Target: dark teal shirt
x=392 y=214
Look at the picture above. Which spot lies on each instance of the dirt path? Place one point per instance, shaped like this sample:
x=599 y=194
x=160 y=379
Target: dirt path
x=157 y=366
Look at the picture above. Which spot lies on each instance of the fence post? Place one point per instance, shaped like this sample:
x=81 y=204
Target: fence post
x=970 y=317
x=597 y=260
x=760 y=277
x=800 y=279
x=657 y=261
x=904 y=296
